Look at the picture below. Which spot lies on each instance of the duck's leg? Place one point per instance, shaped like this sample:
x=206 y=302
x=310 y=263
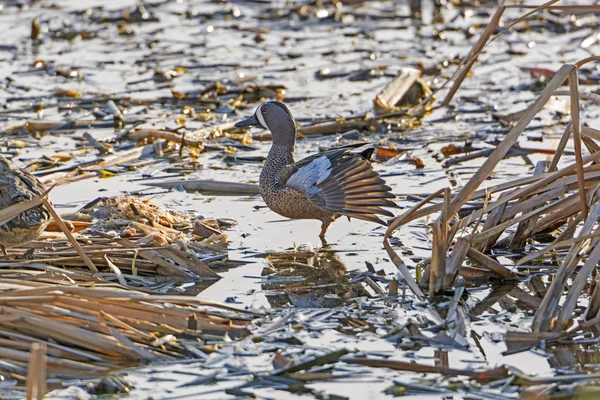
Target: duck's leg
x=3 y=249
x=325 y=222
x=324 y=226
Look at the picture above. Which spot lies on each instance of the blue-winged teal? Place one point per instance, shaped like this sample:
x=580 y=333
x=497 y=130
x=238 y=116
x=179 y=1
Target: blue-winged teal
x=323 y=186
x=17 y=185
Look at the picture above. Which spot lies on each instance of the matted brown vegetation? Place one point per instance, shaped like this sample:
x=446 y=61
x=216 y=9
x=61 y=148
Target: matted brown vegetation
x=553 y=201
x=131 y=236
x=90 y=329
x=70 y=323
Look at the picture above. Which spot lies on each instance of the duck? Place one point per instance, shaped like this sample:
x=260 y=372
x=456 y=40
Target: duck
x=324 y=186
x=18 y=185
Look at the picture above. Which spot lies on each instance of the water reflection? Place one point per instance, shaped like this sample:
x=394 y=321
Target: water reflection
x=308 y=279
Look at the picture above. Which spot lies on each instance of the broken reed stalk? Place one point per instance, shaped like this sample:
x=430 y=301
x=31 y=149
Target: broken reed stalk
x=560 y=149
x=590 y=145
x=490 y=264
x=468 y=62
x=549 y=308
x=594 y=98
x=591 y=133
x=36 y=372
x=590 y=59
x=591 y=311
x=116 y=271
x=330 y=128
x=483 y=41
x=166 y=135
x=572 y=8
x=576 y=127
x=484 y=376
x=393 y=224
x=526 y=227
x=509 y=140
x=561 y=242
x=493 y=218
x=446 y=217
x=576 y=289
x=454 y=262
x=437 y=268
x=69 y=235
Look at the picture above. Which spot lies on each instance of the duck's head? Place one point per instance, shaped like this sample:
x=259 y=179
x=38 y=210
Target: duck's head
x=276 y=117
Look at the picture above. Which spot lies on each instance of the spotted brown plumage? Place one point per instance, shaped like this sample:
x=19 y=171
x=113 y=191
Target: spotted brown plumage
x=17 y=185
x=324 y=186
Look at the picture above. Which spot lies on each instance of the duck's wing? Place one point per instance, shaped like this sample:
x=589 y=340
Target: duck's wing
x=342 y=181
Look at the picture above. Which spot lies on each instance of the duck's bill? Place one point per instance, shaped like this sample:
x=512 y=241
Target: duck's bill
x=248 y=122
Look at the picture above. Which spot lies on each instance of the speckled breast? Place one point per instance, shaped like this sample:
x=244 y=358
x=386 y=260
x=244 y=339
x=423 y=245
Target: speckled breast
x=291 y=203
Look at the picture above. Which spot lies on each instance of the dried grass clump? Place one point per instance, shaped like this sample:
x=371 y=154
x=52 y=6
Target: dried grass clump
x=59 y=322
x=136 y=211
x=128 y=240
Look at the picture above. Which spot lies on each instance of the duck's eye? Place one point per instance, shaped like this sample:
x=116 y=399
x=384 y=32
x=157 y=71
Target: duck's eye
x=262 y=110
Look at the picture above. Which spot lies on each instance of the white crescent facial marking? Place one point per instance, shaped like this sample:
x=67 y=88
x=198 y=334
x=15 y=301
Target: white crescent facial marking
x=260 y=117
